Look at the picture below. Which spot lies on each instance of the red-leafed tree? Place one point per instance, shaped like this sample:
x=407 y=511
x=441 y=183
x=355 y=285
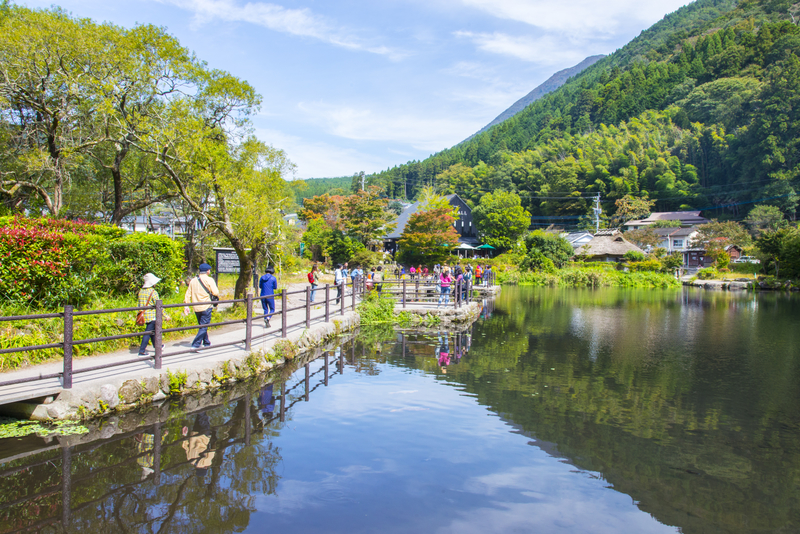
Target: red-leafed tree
x=429 y=236
x=328 y=207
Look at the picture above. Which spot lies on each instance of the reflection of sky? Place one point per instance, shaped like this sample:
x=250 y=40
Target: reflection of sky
x=404 y=452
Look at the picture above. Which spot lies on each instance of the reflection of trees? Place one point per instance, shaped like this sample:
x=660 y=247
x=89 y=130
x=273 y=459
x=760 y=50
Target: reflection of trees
x=683 y=400
x=109 y=495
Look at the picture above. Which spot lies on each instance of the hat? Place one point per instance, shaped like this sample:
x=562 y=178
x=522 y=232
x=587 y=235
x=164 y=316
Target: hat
x=150 y=280
x=204 y=267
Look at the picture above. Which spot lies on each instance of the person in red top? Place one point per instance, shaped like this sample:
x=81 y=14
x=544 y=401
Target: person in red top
x=313 y=279
x=444 y=284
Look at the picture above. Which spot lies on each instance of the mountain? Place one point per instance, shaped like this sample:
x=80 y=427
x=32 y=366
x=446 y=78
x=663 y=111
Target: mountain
x=554 y=82
x=701 y=111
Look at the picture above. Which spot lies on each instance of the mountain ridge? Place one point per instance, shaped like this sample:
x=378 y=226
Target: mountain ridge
x=548 y=86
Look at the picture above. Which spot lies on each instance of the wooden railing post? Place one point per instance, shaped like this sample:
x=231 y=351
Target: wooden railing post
x=454 y=285
x=157 y=335
x=66 y=381
x=404 y=293
x=327 y=303
x=248 y=322
x=157 y=453
x=284 y=301
x=308 y=377
x=283 y=402
x=308 y=307
x=66 y=486
x=326 y=368
x=247 y=422
x=355 y=285
x=343 y=287
x=416 y=291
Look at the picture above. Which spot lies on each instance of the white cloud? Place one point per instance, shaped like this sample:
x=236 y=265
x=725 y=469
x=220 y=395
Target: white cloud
x=427 y=133
x=301 y=22
x=317 y=159
x=545 y=50
x=577 y=17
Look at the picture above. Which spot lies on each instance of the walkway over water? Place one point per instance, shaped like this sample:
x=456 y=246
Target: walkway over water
x=294 y=315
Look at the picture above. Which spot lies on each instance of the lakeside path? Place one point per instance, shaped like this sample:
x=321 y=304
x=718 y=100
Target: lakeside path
x=99 y=390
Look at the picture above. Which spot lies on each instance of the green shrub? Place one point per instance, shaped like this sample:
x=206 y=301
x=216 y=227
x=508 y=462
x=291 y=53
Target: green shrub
x=709 y=273
x=634 y=256
x=645 y=265
x=536 y=261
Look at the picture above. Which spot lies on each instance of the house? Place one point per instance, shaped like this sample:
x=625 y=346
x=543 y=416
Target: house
x=734 y=251
x=465 y=226
x=675 y=239
x=685 y=218
x=607 y=245
x=167 y=225
x=577 y=239
x=694 y=258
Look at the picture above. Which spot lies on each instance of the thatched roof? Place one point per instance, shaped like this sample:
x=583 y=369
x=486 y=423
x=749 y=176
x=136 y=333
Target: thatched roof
x=607 y=243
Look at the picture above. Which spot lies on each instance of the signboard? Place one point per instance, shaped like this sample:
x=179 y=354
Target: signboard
x=227 y=261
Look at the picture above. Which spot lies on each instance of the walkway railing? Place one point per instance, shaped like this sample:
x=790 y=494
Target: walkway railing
x=336 y=300
x=333 y=304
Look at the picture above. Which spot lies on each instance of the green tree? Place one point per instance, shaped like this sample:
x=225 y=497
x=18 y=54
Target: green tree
x=316 y=237
x=631 y=208
x=551 y=245
x=763 y=218
x=644 y=237
x=732 y=232
x=366 y=217
x=501 y=219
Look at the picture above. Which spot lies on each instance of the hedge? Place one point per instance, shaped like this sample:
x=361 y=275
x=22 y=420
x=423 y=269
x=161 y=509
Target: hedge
x=46 y=263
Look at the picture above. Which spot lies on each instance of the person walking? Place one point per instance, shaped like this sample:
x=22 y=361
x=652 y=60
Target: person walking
x=313 y=279
x=478 y=274
x=199 y=294
x=147 y=296
x=338 y=279
x=268 y=284
x=377 y=279
x=412 y=272
x=487 y=275
x=444 y=285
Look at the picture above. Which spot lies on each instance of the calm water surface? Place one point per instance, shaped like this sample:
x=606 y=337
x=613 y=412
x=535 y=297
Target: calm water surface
x=558 y=411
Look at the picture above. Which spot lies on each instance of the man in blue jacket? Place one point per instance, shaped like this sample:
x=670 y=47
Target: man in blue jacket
x=268 y=284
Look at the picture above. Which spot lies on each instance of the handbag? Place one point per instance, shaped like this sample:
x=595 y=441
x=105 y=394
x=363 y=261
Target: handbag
x=140 y=316
x=214 y=298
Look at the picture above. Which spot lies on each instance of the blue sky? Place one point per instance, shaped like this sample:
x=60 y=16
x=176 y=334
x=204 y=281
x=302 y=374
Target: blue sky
x=355 y=85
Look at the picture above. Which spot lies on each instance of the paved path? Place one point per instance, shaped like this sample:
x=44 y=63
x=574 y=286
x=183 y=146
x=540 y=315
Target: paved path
x=202 y=359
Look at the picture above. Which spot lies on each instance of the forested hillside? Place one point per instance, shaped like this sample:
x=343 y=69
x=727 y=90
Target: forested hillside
x=701 y=111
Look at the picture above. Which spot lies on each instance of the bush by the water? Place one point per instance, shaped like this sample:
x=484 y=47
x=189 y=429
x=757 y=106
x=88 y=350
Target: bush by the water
x=46 y=263
x=590 y=277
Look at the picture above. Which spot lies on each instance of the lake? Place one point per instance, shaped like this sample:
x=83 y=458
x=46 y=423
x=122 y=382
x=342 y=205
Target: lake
x=559 y=410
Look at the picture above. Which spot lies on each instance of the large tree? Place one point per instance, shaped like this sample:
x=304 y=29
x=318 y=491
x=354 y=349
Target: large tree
x=501 y=219
x=366 y=217
x=428 y=237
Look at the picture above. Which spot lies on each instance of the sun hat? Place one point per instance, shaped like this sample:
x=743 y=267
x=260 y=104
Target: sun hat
x=150 y=280
x=204 y=268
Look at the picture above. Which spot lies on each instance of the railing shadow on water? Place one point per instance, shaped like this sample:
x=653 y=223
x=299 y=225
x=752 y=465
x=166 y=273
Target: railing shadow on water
x=152 y=449
x=425 y=292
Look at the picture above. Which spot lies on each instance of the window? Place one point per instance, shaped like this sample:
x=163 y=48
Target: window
x=678 y=242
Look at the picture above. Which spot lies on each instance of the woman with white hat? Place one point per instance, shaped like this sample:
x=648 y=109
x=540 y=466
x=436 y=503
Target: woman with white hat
x=147 y=296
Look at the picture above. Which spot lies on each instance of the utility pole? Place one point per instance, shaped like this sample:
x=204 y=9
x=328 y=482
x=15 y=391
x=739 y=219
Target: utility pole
x=597 y=211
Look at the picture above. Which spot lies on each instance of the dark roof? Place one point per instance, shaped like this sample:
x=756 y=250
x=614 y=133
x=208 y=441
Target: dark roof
x=607 y=243
x=685 y=217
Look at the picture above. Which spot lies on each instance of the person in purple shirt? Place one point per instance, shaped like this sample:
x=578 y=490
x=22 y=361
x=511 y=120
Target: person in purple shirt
x=268 y=284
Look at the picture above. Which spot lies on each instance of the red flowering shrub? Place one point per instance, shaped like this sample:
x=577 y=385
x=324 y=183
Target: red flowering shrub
x=50 y=262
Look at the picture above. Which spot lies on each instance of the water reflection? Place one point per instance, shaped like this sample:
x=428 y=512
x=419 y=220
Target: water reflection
x=560 y=410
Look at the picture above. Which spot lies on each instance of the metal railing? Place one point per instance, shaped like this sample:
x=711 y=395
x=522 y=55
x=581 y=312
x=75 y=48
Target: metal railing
x=68 y=343
x=406 y=291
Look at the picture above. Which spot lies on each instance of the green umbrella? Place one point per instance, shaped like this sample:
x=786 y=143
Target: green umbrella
x=486 y=246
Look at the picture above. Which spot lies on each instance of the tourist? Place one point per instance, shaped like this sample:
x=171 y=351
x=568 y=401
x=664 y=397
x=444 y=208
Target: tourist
x=147 y=296
x=368 y=283
x=268 y=284
x=396 y=271
x=202 y=290
x=487 y=275
x=467 y=281
x=478 y=274
x=425 y=272
x=377 y=279
x=338 y=279
x=313 y=279
x=444 y=286
x=412 y=273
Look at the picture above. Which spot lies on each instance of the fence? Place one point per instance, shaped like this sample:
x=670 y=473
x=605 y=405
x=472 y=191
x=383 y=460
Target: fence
x=419 y=291
x=332 y=304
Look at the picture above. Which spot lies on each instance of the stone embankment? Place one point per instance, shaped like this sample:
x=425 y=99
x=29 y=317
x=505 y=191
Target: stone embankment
x=743 y=284
x=110 y=393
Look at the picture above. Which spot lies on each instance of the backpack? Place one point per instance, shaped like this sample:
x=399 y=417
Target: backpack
x=311 y=277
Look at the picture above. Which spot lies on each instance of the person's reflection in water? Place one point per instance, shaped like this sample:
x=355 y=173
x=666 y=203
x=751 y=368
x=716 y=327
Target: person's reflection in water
x=266 y=403
x=444 y=352
x=199 y=448
x=144 y=446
